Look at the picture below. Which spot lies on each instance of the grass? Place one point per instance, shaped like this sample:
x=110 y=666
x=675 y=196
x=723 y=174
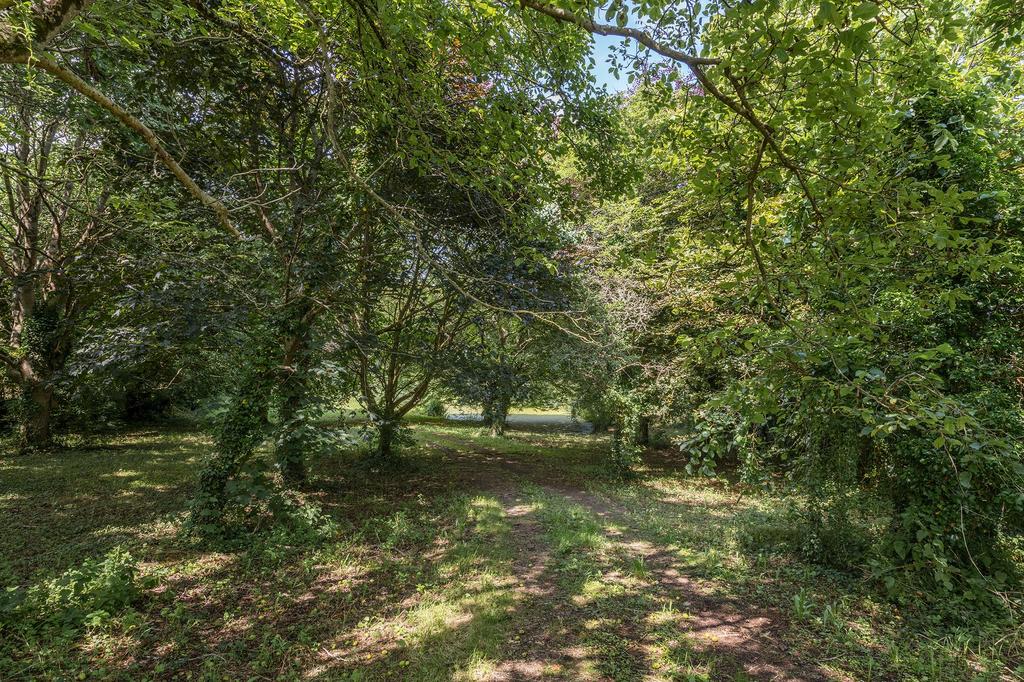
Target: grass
x=482 y=558
x=847 y=620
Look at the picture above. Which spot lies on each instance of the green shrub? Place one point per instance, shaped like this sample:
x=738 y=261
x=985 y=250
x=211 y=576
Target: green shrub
x=828 y=535
x=99 y=587
x=435 y=407
x=622 y=457
x=827 y=530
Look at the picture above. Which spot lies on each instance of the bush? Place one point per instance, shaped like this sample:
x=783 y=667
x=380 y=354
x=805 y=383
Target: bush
x=826 y=530
x=622 y=457
x=435 y=407
x=99 y=587
x=828 y=534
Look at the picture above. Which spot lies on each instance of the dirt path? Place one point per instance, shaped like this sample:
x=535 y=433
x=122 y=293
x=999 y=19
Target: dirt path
x=742 y=636
x=745 y=641
x=536 y=649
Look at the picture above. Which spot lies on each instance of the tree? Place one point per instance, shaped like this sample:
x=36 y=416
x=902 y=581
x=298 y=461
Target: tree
x=503 y=362
x=453 y=133
x=827 y=278
x=56 y=222
x=403 y=329
x=522 y=330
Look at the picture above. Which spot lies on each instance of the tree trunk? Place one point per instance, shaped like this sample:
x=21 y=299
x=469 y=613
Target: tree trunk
x=292 y=442
x=242 y=430
x=643 y=431
x=385 y=439
x=497 y=427
x=291 y=456
x=499 y=417
x=37 y=406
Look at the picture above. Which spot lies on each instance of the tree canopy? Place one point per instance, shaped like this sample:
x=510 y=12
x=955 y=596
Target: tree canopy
x=789 y=253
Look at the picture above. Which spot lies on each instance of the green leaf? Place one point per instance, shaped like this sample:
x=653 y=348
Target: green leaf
x=865 y=10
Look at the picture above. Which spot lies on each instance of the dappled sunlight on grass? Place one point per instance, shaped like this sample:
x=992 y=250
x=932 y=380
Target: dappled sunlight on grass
x=452 y=627
x=77 y=503
x=477 y=559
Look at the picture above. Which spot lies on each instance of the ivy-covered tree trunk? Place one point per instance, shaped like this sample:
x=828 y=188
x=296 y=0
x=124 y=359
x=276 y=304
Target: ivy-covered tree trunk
x=487 y=413
x=293 y=387
x=624 y=452
x=37 y=412
x=44 y=348
x=290 y=452
x=497 y=427
x=243 y=427
x=643 y=431
x=386 y=439
x=279 y=370
x=499 y=419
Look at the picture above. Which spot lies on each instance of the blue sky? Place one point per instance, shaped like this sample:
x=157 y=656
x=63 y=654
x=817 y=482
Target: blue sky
x=601 y=49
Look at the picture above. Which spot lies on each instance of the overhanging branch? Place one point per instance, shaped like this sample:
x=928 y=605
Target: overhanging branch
x=696 y=66
x=72 y=79
x=645 y=39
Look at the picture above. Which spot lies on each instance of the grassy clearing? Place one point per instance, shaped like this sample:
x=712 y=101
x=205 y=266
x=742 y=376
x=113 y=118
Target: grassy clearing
x=728 y=541
x=417 y=578
x=482 y=558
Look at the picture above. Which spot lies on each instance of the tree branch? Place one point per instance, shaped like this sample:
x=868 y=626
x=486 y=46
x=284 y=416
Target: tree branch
x=48 y=19
x=71 y=79
x=696 y=65
x=642 y=37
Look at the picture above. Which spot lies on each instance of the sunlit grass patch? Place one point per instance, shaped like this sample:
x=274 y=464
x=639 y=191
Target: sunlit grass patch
x=70 y=505
x=596 y=588
x=456 y=624
x=487 y=516
x=672 y=656
x=478 y=667
x=569 y=526
x=431 y=568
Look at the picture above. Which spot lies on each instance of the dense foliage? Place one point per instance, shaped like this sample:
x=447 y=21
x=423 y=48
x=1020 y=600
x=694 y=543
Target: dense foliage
x=791 y=252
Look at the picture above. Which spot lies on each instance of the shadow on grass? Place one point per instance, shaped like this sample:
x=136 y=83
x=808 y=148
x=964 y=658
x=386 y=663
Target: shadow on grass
x=439 y=573
x=71 y=504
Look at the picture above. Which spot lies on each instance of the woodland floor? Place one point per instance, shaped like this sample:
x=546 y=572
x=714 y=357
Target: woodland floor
x=481 y=559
